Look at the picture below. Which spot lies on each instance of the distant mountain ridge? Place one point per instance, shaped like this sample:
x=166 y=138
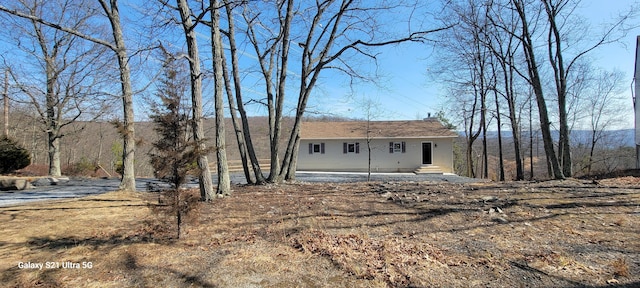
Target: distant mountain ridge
x=625 y=137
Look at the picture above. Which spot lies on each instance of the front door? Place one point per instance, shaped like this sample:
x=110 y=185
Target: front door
x=426 y=153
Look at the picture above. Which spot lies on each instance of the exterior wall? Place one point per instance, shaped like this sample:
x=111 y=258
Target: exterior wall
x=334 y=158
x=635 y=103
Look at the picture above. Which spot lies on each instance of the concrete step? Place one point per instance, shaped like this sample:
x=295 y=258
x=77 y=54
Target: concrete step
x=428 y=169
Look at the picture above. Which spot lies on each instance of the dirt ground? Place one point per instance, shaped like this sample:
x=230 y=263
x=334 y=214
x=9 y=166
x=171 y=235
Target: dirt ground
x=572 y=233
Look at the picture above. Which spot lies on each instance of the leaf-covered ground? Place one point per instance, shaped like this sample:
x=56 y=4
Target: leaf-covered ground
x=572 y=233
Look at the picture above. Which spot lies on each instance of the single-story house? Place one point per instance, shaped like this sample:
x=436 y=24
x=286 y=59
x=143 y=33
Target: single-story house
x=421 y=146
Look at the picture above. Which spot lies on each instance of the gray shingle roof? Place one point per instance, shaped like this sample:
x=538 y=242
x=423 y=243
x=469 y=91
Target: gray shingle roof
x=429 y=128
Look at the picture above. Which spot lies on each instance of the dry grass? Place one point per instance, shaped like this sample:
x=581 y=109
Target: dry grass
x=549 y=234
x=620 y=268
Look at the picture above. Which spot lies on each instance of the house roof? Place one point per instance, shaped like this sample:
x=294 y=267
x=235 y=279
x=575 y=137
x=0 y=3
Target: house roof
x=428 y=128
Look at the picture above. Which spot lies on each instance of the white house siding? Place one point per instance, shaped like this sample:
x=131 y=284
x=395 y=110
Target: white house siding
x=636 y=105
x=334 y=158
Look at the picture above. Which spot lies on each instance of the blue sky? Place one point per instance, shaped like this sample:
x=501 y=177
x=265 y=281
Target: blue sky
x=409 y=93
x=404 y=88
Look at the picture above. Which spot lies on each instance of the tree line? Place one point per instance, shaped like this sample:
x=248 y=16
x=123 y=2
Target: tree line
x=327 y=33
x=509 y=58
x=87 y=49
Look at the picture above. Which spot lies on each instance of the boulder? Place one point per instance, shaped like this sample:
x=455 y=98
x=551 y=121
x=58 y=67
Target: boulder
x=41 y=182
x=15 y=184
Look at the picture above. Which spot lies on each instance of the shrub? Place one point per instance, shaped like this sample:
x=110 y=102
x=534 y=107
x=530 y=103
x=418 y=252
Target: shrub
x=12 y=156
x=84 y=167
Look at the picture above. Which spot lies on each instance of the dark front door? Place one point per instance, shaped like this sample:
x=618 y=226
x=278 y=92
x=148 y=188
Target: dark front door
x=426 y=153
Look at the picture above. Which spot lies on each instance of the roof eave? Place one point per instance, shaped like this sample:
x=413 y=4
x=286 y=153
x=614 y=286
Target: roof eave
x=373 y=138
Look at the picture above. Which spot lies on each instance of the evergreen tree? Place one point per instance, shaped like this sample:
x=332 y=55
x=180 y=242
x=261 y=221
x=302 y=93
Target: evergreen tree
x=12 y=156
x=173 y=153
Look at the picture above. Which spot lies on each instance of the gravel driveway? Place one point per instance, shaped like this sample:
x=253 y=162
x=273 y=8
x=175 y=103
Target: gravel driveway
x=81 y=187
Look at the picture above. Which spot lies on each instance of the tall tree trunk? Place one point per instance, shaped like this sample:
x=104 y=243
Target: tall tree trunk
x=275 y=175
x=536 y=84
x=54 y=154
x=204 y=177
x=128 y=182
x=237 y=126
x=564 y=140
x=506 y=61
x=472 y=136
x=470 y=163
x=502 y=44
x=224 y=184
x=513 y=118
x=291 y=153
x=293 y=163
x=554 y=45
x=500 y=154
x=237 y=80
x=6 y=103
x=515 y=131
x=592 y=148
x=52 y=125
x=53 y=129
x=485 y=153
x=530 y=139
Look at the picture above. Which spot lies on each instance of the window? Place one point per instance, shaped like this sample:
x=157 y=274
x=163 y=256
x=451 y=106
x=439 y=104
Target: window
x=351 y=147
x=397 y=147
x=315 y=148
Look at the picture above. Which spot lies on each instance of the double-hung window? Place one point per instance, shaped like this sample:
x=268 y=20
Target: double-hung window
x=316 y=148
x=397 y=147
x=351 y=148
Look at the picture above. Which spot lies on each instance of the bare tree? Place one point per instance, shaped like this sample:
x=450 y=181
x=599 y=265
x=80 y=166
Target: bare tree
x=245 y=143
x=70 y=68
x=188 y=25
x=504 y=47
x=223 y=188
x=129 y=140
x=529 y=48
x=468 y=71
x=237 y=126
x=498 y=116
x=327 y=33
x=563 y=55
x=372 y=110
x=602 y=106
x=117 y=45
x=276 y=50
x=5 y=101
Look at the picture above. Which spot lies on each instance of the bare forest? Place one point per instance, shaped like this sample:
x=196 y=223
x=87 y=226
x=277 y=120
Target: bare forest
x=547 y=196
x=513 y=67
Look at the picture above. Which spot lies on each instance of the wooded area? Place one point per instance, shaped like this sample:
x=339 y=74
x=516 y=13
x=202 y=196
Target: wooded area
x=497 y=58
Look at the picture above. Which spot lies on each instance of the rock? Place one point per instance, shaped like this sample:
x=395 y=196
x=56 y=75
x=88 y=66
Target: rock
x=387 y=195
x=23 y=184
x=15 y=184
x=42 y=182
x=49 y=181
x=489 y=198
x=613 y=281
x=500 y=220
x=63 y=179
